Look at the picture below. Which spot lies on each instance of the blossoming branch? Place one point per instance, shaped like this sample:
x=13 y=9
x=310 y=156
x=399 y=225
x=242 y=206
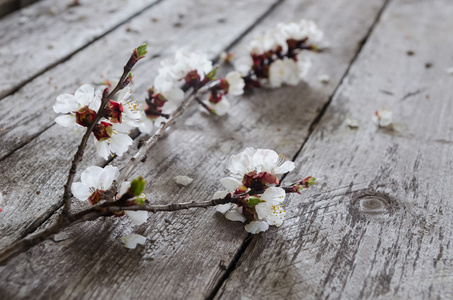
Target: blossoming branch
x=252 y=194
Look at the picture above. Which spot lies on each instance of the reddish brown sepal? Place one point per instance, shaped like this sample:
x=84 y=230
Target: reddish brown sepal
x=85 y=116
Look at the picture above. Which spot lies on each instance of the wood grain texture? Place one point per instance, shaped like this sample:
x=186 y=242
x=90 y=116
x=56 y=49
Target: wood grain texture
x=28 y=167
x=41 y=35
x=187 y=252
x=379 y=223
x=19 y=126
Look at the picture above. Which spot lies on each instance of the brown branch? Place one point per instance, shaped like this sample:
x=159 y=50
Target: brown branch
x=205 y=106
x=149 y=143
x=67 y=195
x=105 y=209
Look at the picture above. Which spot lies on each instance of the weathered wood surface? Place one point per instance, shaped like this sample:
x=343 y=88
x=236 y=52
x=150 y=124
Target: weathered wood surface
x=380 y=224
x=328 y=247
x=28 y=165
x=8 y=6
x=38 y=37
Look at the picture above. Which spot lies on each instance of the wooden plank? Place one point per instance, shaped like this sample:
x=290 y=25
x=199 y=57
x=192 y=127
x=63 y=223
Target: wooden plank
x=46 y=33
x=9 y=6
x=187 y=252
x=28 y=166
x=379 y=223
x=18 y=126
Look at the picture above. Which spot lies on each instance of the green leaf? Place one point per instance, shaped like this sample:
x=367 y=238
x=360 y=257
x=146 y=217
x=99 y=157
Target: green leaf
x=137 y=186
x=253 y=201
x=140 y=201
x=211 y=75
x=141 y=51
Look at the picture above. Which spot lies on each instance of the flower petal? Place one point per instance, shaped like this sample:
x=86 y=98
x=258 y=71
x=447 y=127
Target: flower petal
x=230 y=183
x=183 y=180
x=221 y=108
x=119 y=143
x=265 y=160
x=84 y=95
x=130 y=241
x=80 y=191
x=236 y=83
x=108 y=174
x=287 y=166
x=242 y=163
x=274 y=195
x=123 y=189
x=91 y=176
x=255 y=227
x=223 y=208
x=235 y=215
x=102 y=148
x=66 y=121
x=220 y=194
x=147 y=125
x=137 y=217
x=65 y=103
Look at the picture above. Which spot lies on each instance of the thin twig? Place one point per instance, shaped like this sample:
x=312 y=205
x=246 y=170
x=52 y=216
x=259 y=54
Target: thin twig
x=105 y=209
x=141 y=153
x=81 y=149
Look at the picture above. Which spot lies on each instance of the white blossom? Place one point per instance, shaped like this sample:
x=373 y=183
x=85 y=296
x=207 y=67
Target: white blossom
x=261 y=160
x=232 y=211
x=255 y=227
x=68 y=104
x=117 y=143
x=94 y=179
x=221 y=108
x=236 y=83
x=132 y=240
x=243 y=63
x=271 y=210
x=174 y=96
x=283 y=72
x=262 y=44
x=304 y=29
x=183 y=180
x=383 y=118
x=132 y=113
x=173 y=70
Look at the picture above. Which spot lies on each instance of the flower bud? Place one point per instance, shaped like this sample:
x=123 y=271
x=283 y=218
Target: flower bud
x=193 y=78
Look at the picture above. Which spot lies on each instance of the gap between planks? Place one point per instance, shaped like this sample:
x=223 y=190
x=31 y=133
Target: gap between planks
x=71 y=54
x=42 y=221
x=316 y=120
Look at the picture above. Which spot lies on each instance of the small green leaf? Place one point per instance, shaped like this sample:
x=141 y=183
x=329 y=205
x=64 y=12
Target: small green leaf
x=140 y=201
x=137 y=186
x=253 y=201
x=141 y=51
x=211 y=75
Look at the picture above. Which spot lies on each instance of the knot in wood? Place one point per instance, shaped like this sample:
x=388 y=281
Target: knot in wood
x=373 y=205
x=369 y=204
